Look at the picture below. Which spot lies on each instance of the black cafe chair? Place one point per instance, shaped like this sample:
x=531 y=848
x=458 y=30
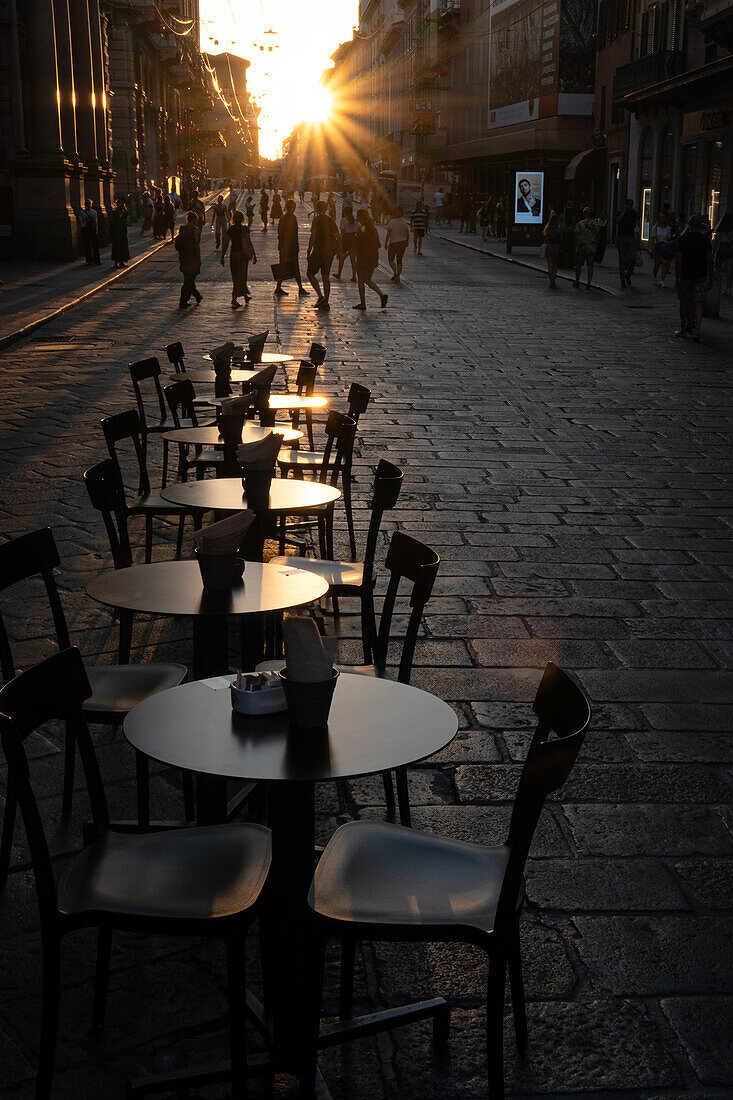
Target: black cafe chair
x=116 y=689
x=382 y=882
x=191 y=882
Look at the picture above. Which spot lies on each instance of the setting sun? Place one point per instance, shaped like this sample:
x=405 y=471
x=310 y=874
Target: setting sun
x=315 y=105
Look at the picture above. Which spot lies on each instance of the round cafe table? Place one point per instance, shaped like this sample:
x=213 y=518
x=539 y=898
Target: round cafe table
x=204 y=377
x=285 y=401
x=268 y=358
x=210 y=437
x=175 y=588
x=225 y=494
x=374 y=725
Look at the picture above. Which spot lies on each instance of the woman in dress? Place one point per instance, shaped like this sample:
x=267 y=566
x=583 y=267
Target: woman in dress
x=118 y=234
x=242 y=252
x=367 y=257
x=348 y=227
x=264 y=204
x=276 y=211
x=160 y=228
x=552 y=234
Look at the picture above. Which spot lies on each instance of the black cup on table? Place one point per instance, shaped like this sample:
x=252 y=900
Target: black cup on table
x=219 y=571
x=256 y=485
x=309 y=704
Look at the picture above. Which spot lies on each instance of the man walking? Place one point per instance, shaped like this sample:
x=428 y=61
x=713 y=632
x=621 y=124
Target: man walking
x=693 y=275
x=322 y=247
x=188 y=247
x=219 y=220
x=89 y=234
x=586 y=240
x=626 y=223
x=398 y=235
x=419 y=222
x=438 y=200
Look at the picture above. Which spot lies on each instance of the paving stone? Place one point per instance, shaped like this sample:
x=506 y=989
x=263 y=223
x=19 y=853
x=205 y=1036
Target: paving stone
x=704 y=1026
x=656 y=955
x=621 y=830
x=615 y=885
x=709 y=882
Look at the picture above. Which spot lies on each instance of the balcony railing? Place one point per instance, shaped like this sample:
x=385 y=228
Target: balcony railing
x=449 y=13
x=646 y=71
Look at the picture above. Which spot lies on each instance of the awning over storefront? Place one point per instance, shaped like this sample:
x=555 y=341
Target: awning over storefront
x=588 y=165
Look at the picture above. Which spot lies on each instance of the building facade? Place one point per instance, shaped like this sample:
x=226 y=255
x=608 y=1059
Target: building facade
x=232 y=120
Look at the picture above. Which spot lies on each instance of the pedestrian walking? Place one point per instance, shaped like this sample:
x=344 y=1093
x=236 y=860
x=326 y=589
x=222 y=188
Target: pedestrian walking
x=484 y=218
x=147 y=209
x=500 y=219
x=438 y=200
x=586 y=242
x=89 y=234
x=693 y=275
x=242 y=254
x=118 y=234
x=188 y=247
x=723 y=250
x=552 y=236
x=199 y=209
x=602 y=224
x=219 y=221
x=288 y=249
x=348 y=228
x=448 y=208
x=420 y=225
x=367 y=258
x=169 y=210
x=660 y=236
x=160 y=228
x=331 y=206
x=626 y=224
x=276 y=210
x=249 y=210
x=323 y=245
x=264 y=205
x=233 y=201
x=396 y=241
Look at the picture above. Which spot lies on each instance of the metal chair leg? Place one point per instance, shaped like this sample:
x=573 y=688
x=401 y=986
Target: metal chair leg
x=148 y=538
x=49 y=1018
x=516 y=984
x=346 y=482
x=125 y=643
x=346 y=986
x=179 y=539
x=101 y=977
x=389 y=794
x=235 y=947
x=69 y=760
x=403 y=796
x=142 y=780
x=6 y=843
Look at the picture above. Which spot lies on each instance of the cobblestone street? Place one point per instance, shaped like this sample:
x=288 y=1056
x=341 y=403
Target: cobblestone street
x=569 y=459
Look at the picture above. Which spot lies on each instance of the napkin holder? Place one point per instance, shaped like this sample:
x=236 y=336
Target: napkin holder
x=219 y=571
x=256 y=485
x=230 y=428
x=309 y=704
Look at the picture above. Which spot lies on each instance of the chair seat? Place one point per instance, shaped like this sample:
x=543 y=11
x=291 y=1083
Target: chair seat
x=339 y=574
x=380 y=874
x=154 y=502
x=116 y=689
x=288 y=456
x=190 y=874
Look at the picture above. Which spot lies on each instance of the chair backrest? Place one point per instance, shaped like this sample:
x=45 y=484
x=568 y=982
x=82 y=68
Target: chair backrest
x=358 y=400
x=106 y=496
x=31 y=555
x=306 y=379
x=561 y=708
x=317 y=354
x=55 y=689
x=118 y=428
x=410 y=560
x=147 y=370
x=339 y=449
x=180 y=397
x=257 y=345
x=176 y=356
x=388 y=480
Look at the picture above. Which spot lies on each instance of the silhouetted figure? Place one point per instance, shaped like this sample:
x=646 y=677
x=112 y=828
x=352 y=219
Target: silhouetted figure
x=241 y=255
x=367 y=258
x=288 y=249
x=322 y=247
x=118 y=234
x=188 y=247
x=89 y=234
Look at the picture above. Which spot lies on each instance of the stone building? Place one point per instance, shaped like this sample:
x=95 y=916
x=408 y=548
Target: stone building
x=232 y=121
x=96 y=96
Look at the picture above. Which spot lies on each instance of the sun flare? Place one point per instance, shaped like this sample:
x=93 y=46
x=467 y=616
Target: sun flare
x=316 y=105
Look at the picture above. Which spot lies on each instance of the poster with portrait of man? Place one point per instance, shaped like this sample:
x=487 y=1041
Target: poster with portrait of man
x=528 y=198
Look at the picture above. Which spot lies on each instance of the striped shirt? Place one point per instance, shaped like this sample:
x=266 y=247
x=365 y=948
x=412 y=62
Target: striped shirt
x=419 y=221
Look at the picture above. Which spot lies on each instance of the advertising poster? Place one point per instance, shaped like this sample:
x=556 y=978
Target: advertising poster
x=542 y=60
x=528 y=197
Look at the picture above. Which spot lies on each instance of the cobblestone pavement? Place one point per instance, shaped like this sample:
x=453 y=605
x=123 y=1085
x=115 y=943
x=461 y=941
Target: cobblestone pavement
x=567 y=457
